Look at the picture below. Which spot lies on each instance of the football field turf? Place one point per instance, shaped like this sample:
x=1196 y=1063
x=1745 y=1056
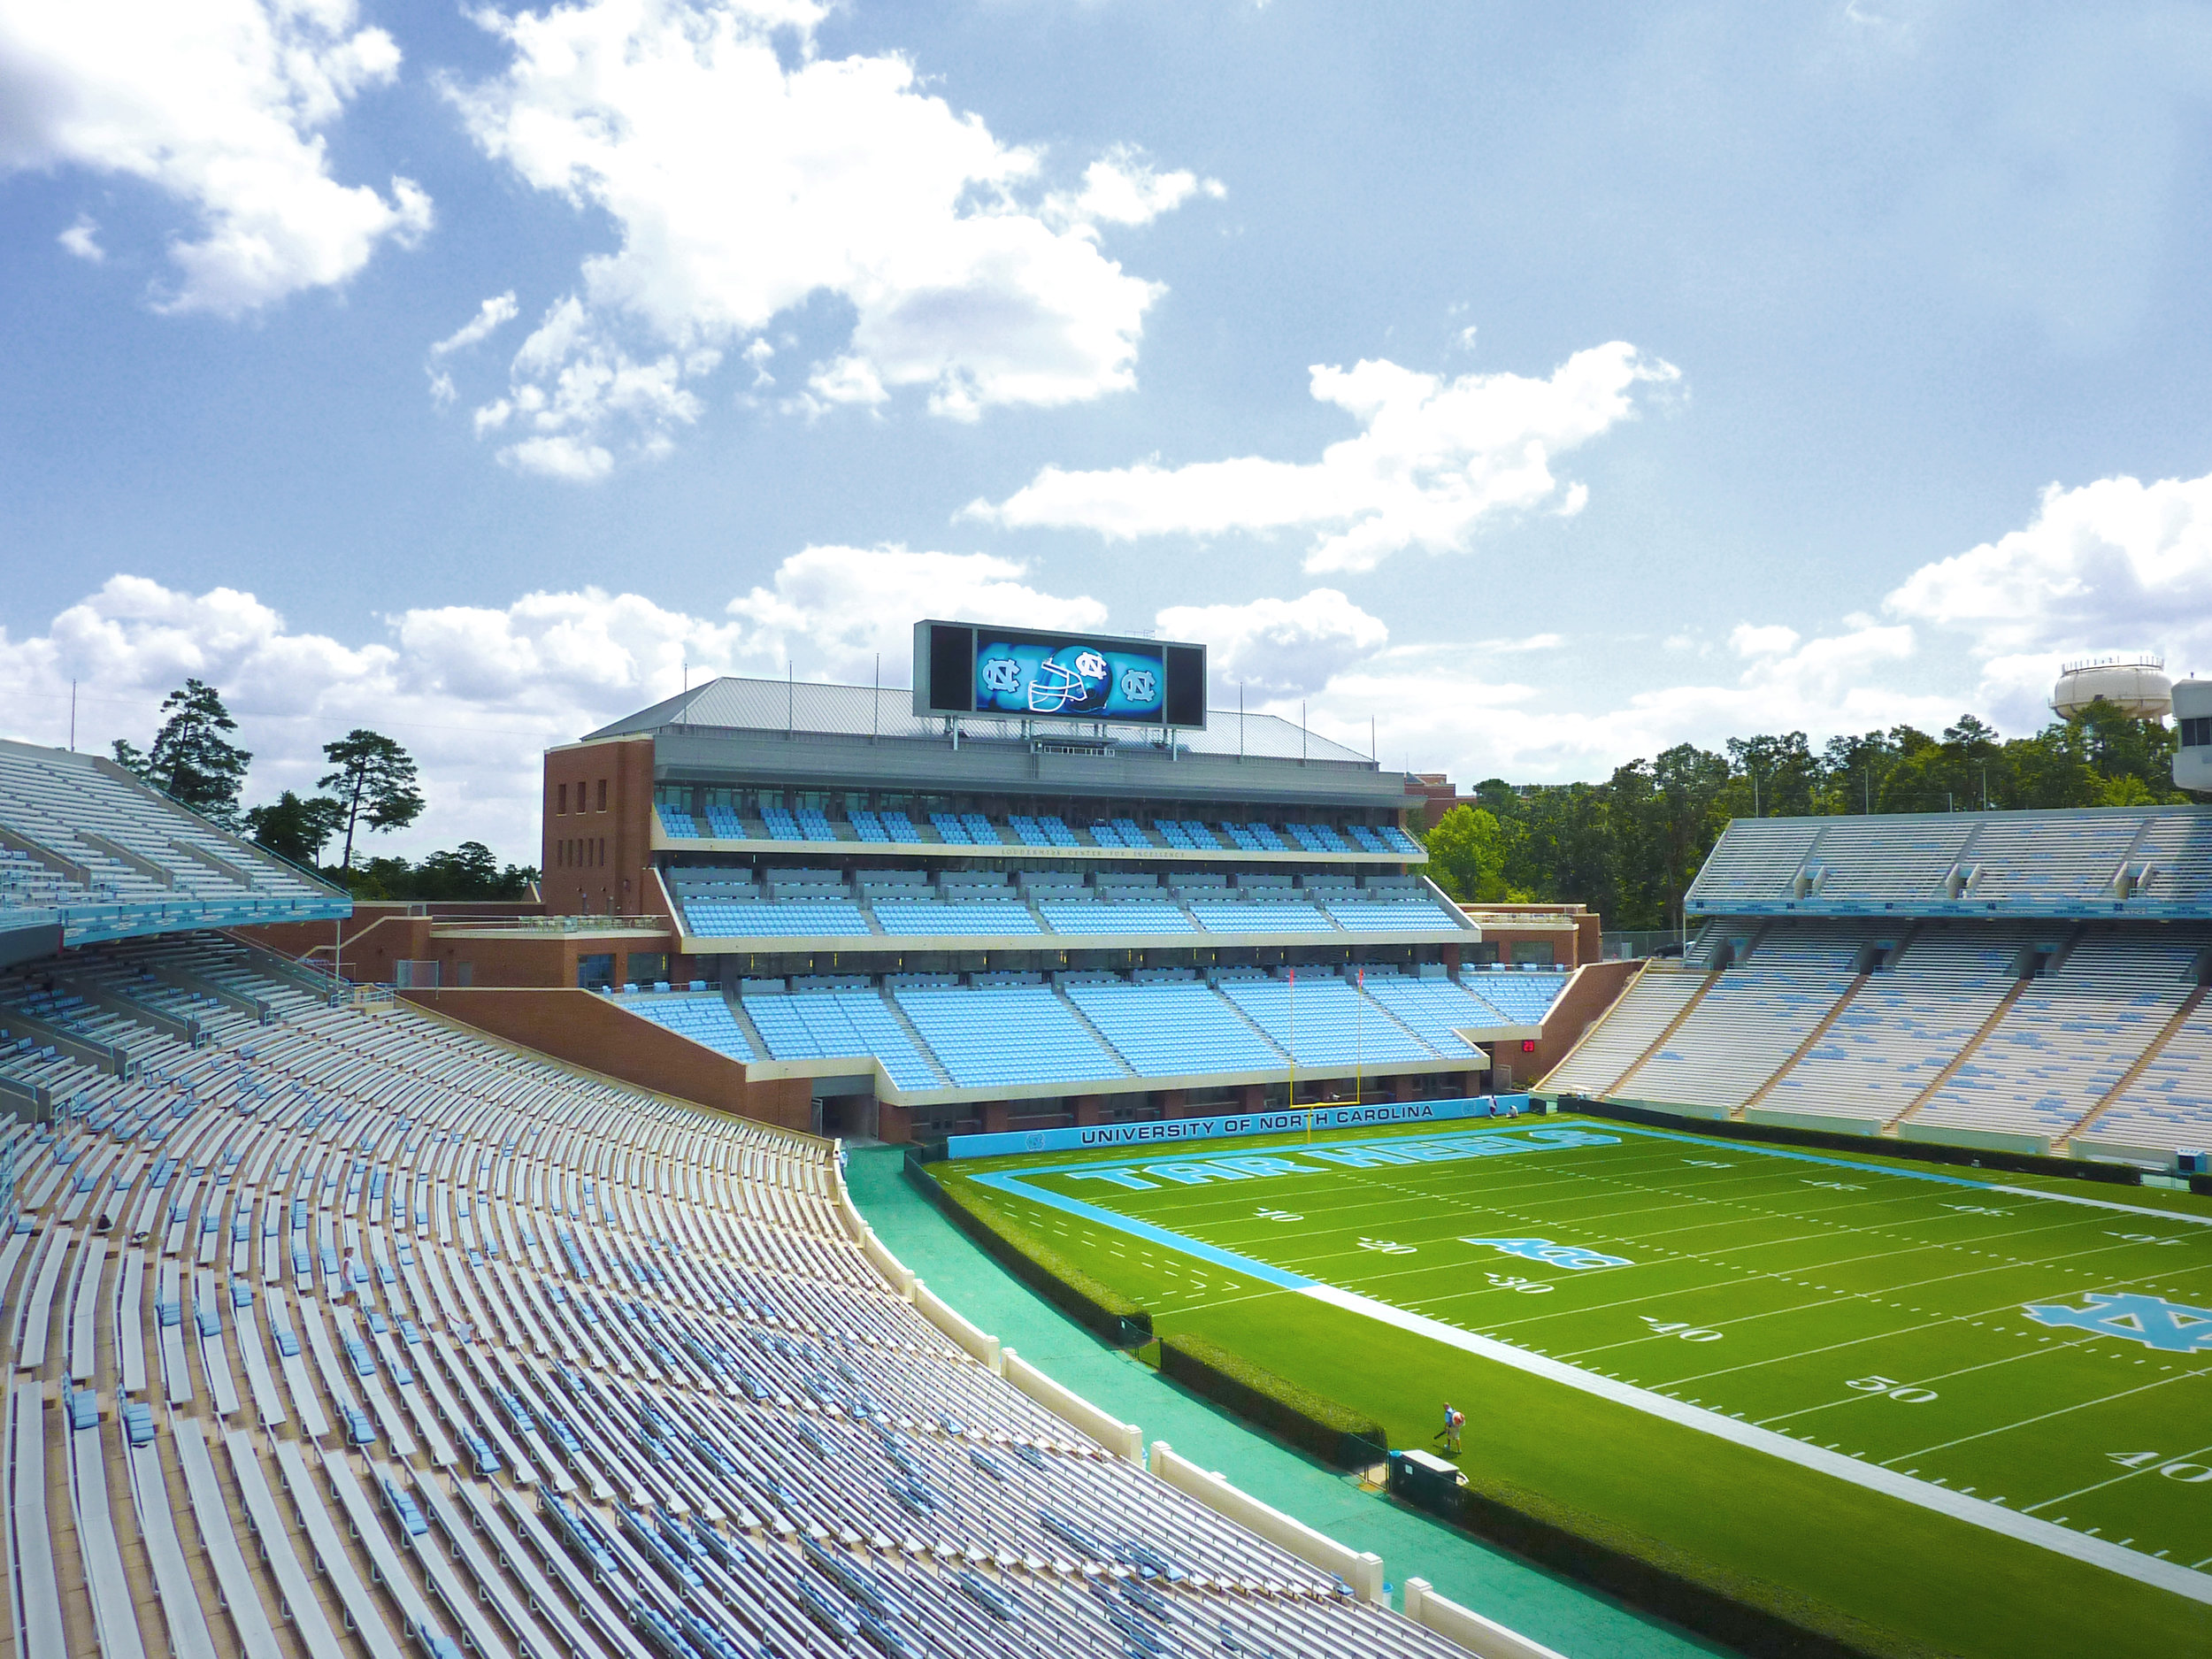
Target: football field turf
x=2036 y=1365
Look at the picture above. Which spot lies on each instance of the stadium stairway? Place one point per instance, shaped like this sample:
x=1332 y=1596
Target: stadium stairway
x=1097 y=1036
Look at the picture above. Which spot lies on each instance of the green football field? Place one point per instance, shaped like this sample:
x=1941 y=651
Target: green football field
x=1719 y=1344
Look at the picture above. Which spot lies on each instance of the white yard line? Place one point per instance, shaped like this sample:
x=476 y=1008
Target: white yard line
x=2044 y=1416
x=2106 y=1204
x=2079 y=1492
x=1993 y=1517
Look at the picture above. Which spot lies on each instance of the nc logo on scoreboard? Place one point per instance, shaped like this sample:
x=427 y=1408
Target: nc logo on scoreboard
x=2168 y=1326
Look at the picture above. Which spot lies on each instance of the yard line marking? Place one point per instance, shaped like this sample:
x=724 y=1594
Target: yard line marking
x=2117 y=1479
x=2106 y=1204
x=1920 y=1382
x=2080 y=1405
x=1975 y=1512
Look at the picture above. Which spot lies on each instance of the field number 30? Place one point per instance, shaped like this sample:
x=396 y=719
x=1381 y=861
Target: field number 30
x=1891 y=1388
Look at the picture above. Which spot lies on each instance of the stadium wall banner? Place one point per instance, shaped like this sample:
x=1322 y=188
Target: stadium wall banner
x=1170 y=1131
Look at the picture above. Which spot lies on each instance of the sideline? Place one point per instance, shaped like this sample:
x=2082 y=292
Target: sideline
x=1544 y=1606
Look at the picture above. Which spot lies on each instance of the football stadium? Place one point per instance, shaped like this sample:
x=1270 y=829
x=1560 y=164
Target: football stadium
x=514 y=1279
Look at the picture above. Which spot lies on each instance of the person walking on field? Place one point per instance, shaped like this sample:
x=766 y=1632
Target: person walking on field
x=1454 y=1421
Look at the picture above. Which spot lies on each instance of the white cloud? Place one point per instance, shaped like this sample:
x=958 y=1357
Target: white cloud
x=745 y=175
x=1443 y=710
x=1277 y=648
x=82 y=239
x=1124 y=189
x=1434 y=460
x=476 y=693
x=221 y=104
x=840 y=607
x=2114 y=566
x=1745 y=639
x=494 y=312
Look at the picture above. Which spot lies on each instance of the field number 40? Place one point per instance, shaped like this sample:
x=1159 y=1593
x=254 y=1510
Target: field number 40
x=2189 y=1474
x=1675 y=1327
x=1891 y=1388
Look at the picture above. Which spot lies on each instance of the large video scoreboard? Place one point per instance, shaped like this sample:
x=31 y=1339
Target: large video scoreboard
x=971 y=668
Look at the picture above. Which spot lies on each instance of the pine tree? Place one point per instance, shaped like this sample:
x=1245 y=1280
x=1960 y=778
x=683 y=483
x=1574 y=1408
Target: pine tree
x=373 y=781
x=191 y=758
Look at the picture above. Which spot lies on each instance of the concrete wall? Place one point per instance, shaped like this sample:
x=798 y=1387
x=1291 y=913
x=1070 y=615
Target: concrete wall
x=588 y=1030
x=1479 y=1636
x=1595 y=986
x=1361 y=1569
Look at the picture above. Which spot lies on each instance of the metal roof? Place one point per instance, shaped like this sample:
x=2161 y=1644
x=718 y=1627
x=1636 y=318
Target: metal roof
x=810 y=706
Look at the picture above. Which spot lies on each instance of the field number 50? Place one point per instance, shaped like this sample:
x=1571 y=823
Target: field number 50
x=1891 y=1388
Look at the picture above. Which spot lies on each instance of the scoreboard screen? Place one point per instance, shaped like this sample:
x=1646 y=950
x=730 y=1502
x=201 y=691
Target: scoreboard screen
x=965 y=668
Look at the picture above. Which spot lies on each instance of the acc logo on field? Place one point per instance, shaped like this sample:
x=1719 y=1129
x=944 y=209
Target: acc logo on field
x=1568 y=1255
x=2168 y=1326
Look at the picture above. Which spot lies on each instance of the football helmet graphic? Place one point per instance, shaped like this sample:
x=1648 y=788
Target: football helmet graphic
x=1071 y=680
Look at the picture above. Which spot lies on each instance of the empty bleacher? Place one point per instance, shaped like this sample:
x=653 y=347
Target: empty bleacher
x=2033 y=1034
x=150 y=866
x=720 y=901
x=337 y=1330
x=1019 y=829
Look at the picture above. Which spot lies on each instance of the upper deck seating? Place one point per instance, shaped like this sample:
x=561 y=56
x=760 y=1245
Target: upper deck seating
x=967 y=1030
x=1091 y=916
x=1323 y=1020
x=118 y=859
x=678 y=826
x=1174 y=1027
x=702 y=1019
x=1524 y=995
x=820 y=1025
x=1435 y=1010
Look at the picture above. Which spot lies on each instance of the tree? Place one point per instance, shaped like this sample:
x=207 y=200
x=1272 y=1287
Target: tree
x=373 y=781
x=1467 y=854
x=293 y=828
x=132 y=759
x=191 y=758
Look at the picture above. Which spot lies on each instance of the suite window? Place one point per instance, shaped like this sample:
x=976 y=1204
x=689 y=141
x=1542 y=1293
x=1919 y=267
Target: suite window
x=603 y=795
x=562 y=798
x=2197 y=733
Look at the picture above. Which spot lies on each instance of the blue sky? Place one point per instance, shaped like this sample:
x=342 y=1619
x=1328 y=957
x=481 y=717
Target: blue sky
x=1544 y=384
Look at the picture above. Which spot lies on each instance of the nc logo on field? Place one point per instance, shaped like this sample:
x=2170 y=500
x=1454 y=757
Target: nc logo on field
x=1568 y=1255
x=2167 y=1327
x=1034 y=1141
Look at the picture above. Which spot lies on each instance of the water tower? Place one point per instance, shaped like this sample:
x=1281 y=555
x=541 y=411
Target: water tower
x=2135 y=685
